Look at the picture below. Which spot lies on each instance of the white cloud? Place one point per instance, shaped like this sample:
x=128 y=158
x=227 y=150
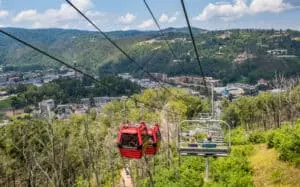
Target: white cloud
x=128 y=18
x=26 y=15
x=223 y=10
x=230 y=11
x=64 y=17
x=83 y=4
x=3 y=13
x=258 y=6
x=146 y=24
x=165 y=18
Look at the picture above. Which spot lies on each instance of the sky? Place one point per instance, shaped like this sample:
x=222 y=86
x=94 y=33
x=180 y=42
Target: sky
x=112 y=15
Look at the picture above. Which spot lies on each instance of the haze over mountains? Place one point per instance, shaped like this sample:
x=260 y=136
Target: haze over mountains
x=233 y=55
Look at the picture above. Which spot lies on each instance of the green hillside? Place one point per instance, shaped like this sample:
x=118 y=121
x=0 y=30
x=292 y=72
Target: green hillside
x=82 y=151
x=235 y=55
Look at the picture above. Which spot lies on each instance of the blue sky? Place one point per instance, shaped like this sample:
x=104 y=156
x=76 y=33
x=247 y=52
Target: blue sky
x=132 y=14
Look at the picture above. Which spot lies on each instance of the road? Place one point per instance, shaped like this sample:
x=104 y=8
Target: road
x=217 y=109
x=125 y=180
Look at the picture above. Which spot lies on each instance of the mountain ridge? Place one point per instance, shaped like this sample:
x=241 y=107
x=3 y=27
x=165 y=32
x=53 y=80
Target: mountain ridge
x=224 y=52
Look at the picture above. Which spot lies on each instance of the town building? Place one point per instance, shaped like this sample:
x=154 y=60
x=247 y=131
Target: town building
x=125 y=76
x=160 y=76
x=64 y=111
x=193 y=80
x=243 y=57
x=277 y=52
x=46 y=106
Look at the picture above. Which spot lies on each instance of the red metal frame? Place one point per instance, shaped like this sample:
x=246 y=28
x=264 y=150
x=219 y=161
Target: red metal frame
x=133 y=152
x=153 y=146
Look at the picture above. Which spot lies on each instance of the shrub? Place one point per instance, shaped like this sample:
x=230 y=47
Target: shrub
x=287 y=140
x=234 y=170
x=257 y=137
x=242 y=151
x=238 y=136
x=190 y=174
x=270 y=138
x=28 y=110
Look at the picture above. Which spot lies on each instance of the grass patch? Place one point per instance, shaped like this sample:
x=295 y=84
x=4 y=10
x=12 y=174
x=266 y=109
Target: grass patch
x=268 y=170
x=276 y=177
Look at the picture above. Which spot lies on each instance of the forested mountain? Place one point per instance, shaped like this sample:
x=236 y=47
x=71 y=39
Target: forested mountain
x=233 y=55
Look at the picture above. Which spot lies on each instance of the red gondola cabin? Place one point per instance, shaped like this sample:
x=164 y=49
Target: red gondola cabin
x=154 y=140
x=132 y=140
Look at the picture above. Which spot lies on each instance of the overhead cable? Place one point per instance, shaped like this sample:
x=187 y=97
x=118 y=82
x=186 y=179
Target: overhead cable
x=194 y=43
x=175 y=57
x=68 y=65
x=119 y=48
x=47 y=54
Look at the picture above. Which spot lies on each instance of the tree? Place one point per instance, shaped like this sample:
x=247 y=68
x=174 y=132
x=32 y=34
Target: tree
x=18 y=102
x=28 y=110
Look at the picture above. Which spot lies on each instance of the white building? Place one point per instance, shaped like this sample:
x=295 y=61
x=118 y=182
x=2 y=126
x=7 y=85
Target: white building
x=46 y=105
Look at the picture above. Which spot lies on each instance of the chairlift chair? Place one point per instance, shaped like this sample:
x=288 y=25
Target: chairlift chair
x=216 y=146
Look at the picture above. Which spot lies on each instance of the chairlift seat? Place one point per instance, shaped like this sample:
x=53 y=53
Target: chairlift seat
x=200 y=151
x=209 y=144
x=215 y=146
x=192 y=145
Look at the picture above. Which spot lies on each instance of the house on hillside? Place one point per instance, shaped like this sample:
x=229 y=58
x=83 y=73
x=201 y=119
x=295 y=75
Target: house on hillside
x=193 y=80
x=276 y=52
x=125 y=76
x=238 y=87
x=243 y=57
x=280 y=53
x=225 y=35
x=50 y=77
x=97 y=102
x=236 y=90
x=79 y=109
